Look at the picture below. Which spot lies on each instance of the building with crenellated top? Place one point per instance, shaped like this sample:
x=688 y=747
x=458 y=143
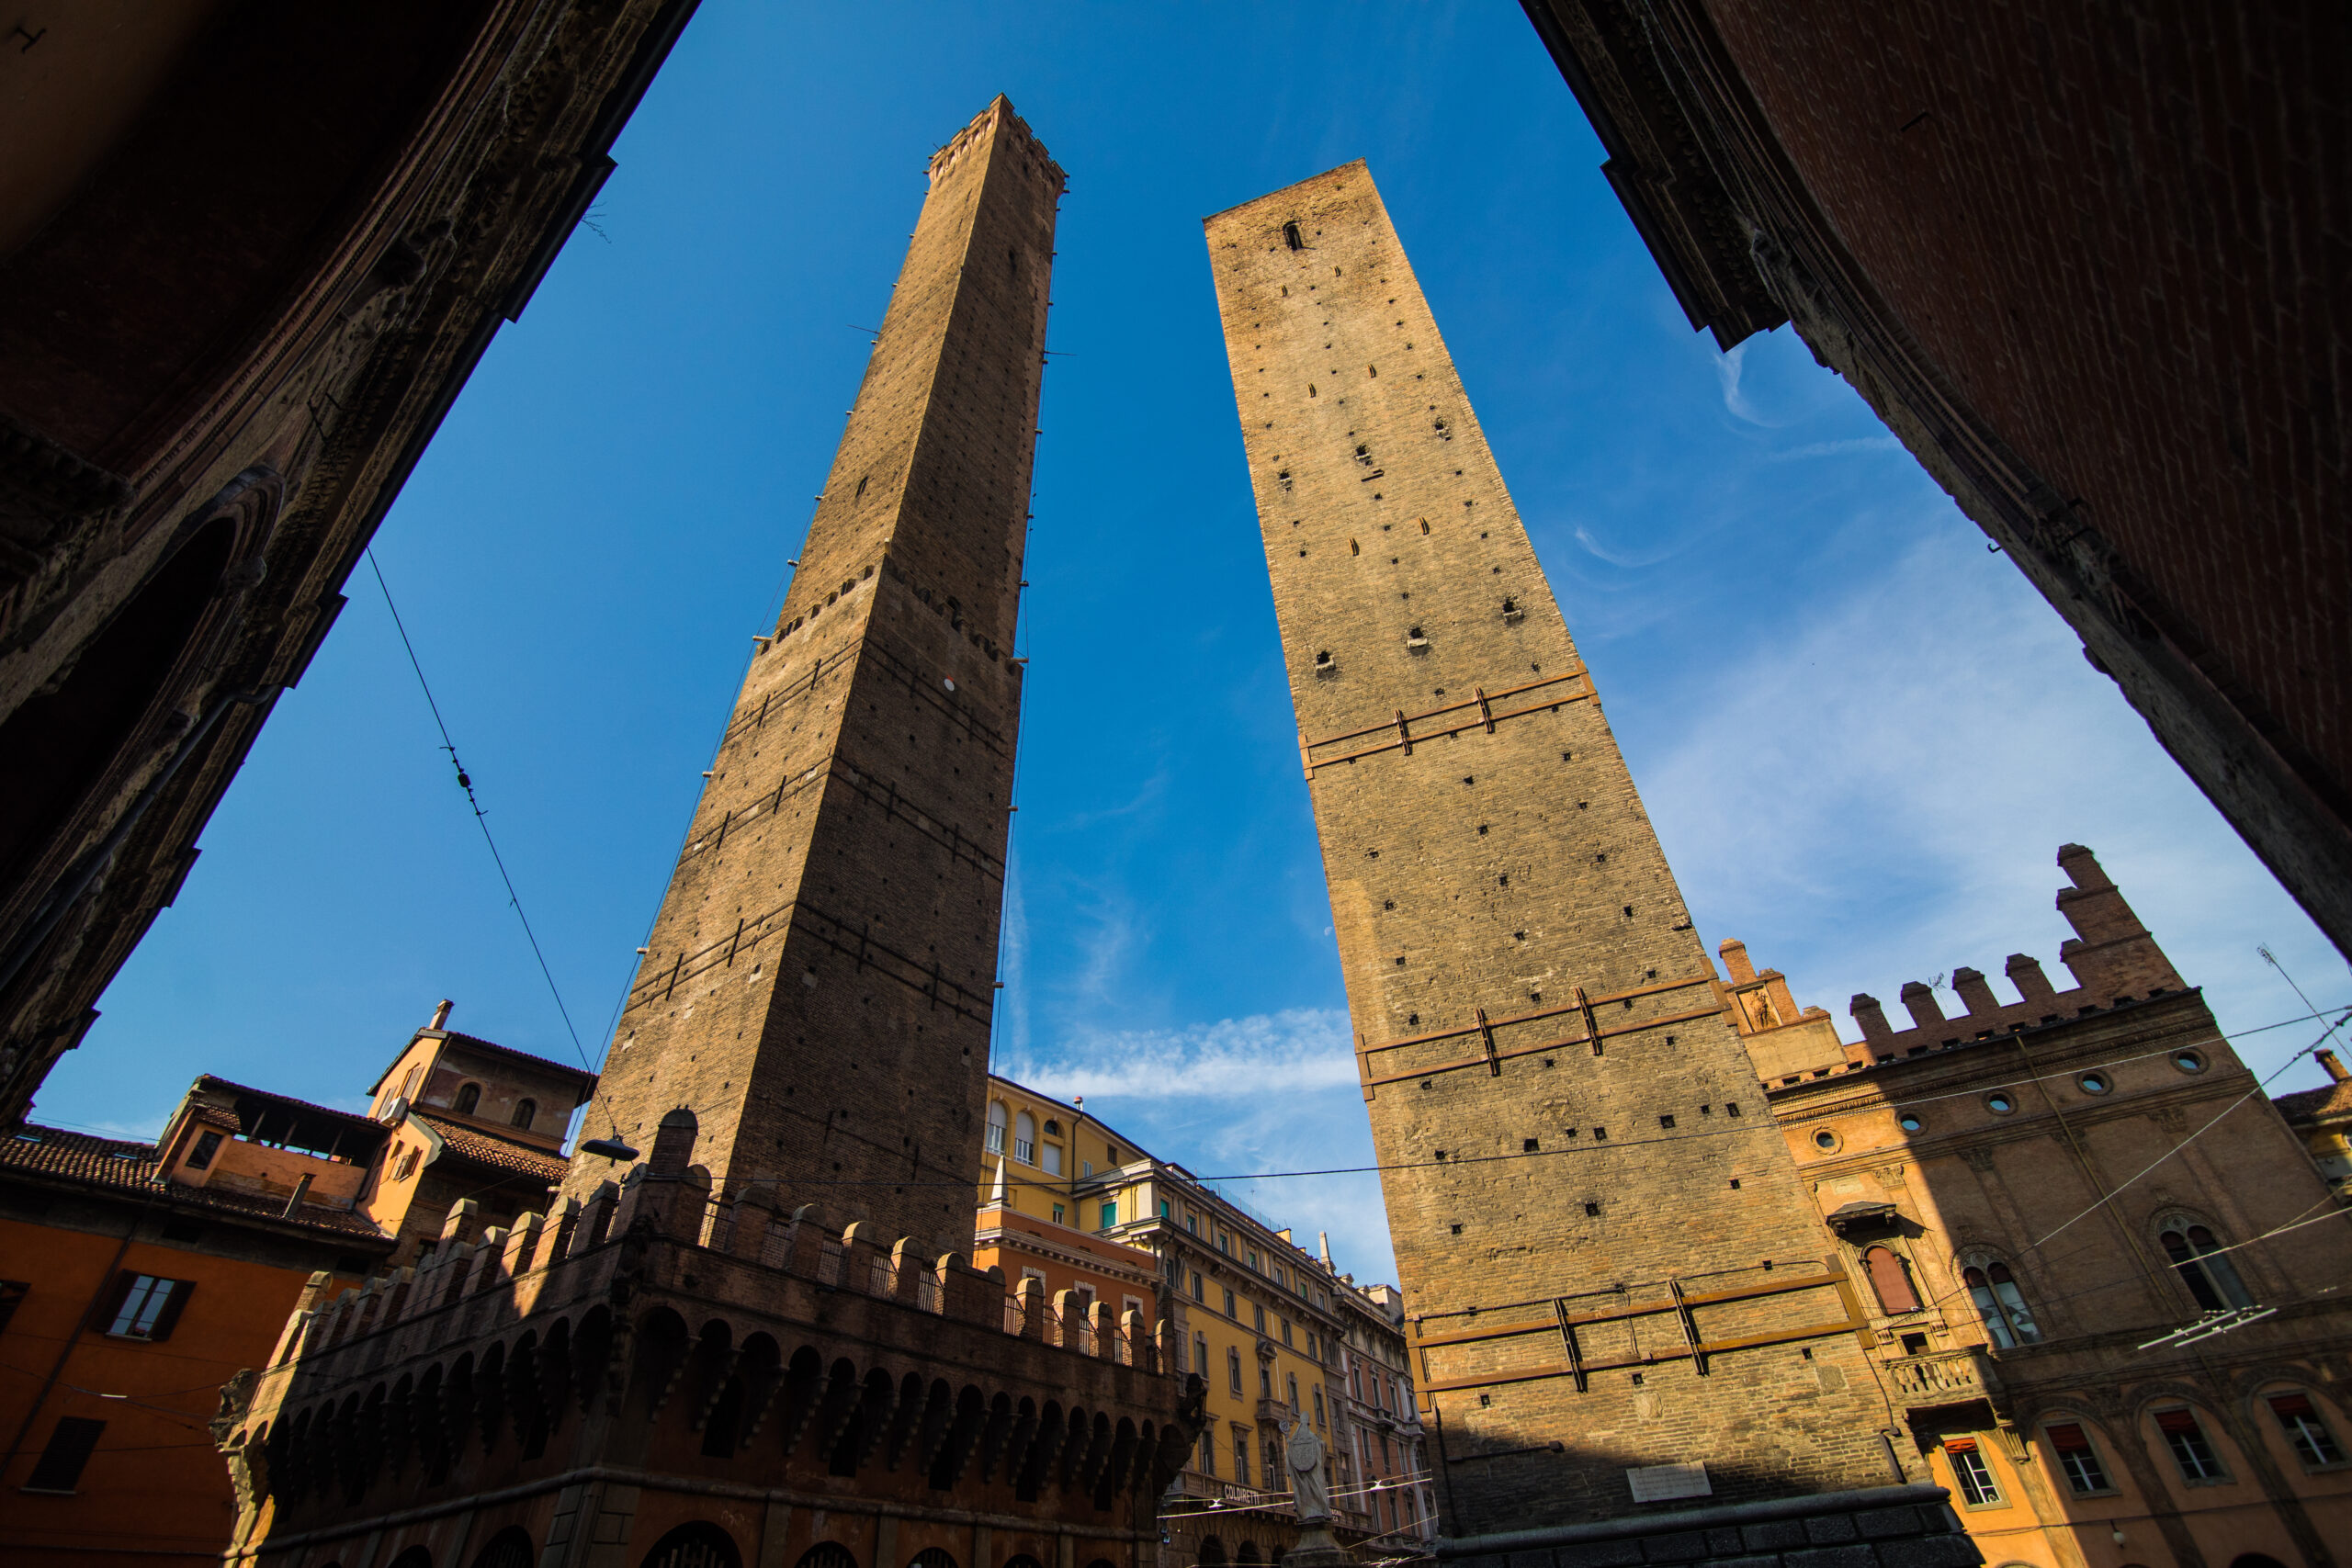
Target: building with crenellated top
x=2098 y=1265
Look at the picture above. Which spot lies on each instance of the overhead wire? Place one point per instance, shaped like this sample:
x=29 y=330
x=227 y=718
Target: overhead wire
x=482 y=818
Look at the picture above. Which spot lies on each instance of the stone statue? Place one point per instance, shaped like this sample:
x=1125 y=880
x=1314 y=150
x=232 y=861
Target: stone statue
x=1307 y=1488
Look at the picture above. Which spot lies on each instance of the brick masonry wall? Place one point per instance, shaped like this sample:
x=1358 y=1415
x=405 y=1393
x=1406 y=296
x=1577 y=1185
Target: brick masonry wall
x=2119 y=235
x=1502 y=869
x=819 y=981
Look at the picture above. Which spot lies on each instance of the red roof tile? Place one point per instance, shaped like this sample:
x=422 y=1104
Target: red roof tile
x=481 y=1149
x=2333 y=1099
x=128 y=1168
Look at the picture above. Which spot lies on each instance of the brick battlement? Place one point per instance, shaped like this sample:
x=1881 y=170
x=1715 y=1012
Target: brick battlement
x=2111 y=956
x=753 y=1331
x=2114 y=960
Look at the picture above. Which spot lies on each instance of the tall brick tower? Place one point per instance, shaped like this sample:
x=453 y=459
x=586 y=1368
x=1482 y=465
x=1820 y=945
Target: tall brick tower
x=818 y=986
x=1615 y=1277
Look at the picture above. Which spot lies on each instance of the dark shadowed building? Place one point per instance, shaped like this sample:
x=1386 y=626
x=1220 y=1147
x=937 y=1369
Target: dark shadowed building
x=250 y=250
x=2089 y=264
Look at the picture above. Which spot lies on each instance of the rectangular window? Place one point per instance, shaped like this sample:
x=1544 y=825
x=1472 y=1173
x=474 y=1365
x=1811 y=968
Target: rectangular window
x=1053 y=1159
x=207 y=1145
x=1265 y=1382
x=1025 y=1150
x=996 y=1139
x=1319 y=1407
x=1208 y=1454
x=1229 y=1310
x=1258 y=1318
x=1197 y=1293
x=2191 y=1449
x=1057 y=1213
x=1163 y=1208
x=2077 y=1459
x=1201 y=1354
x=1193 y=1223
x=1241 y=1458
x=1975 y=1477
x=2314 y=1444
x=1110 y=1215
x=1287 y=1331
x=1293 y=1380
x=147 y=1306
x=60 y=1465
x=1233 y=1370
x=1086 y=1168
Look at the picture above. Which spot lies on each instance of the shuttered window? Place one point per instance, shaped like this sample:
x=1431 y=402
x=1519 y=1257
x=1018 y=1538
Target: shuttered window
x=2077 y=1458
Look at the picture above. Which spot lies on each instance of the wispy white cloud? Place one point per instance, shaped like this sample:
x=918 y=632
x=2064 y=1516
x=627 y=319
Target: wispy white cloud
x=1874 y=799
x=1234 y=1058
x=1245 y=1101
x=1627 y=560
x=1729 y=366
x=1836 y=448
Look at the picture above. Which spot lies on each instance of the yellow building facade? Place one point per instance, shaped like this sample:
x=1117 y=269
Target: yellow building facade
x=1067 y=1198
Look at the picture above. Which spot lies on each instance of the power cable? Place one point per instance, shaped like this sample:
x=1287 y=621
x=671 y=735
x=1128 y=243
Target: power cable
x=466 y=783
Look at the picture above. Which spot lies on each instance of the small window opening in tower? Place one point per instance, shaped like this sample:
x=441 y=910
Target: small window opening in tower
x=1529 y=1145
x=1373 y=370
x=1415 y=632
x=1290 y=237
x=861 y=483
x=1325 y=658
x=1510 y=606
x=1354 y=548
x=1592 y=1210
x=1425 y=524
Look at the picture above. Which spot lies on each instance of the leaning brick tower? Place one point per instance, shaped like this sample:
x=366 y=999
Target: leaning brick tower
x=1621 y=1299
x=819 y=983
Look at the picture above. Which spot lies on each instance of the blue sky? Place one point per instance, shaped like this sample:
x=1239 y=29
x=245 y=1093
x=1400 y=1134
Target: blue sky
x=1861 y=735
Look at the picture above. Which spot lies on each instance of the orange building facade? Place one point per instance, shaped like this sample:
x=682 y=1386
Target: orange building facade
x=130 y=1298
x=137 y=1280
x=2102 y=1273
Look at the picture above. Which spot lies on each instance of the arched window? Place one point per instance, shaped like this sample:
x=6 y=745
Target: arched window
x=830 y=1554
x=2000 y=1305
x=469 y=1098
x=1890 y=1280
x=1249 y=1553
x=414 y=1557
x=1022 y=1560
x=510 y=1548
x=525 y=1113
x=996 y=1126
x=697 y=1545
x=1211 y=1552
x=1025 y=1138
x=2306 y=1429
x=2202 y=1266
x=931 y=1557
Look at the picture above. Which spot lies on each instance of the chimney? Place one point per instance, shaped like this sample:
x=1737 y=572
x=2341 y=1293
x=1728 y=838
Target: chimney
x=2334 y=1068
x=1970 y=983
x=1921 y=1000
x=2025 y=973
x=441 y=1014
x=1870 y=1016
x=1737 y=963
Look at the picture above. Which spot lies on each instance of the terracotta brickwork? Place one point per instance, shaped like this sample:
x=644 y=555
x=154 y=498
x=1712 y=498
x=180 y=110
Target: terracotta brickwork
x=1541 y=1043
x=2037 y=1194
x=819 y=984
